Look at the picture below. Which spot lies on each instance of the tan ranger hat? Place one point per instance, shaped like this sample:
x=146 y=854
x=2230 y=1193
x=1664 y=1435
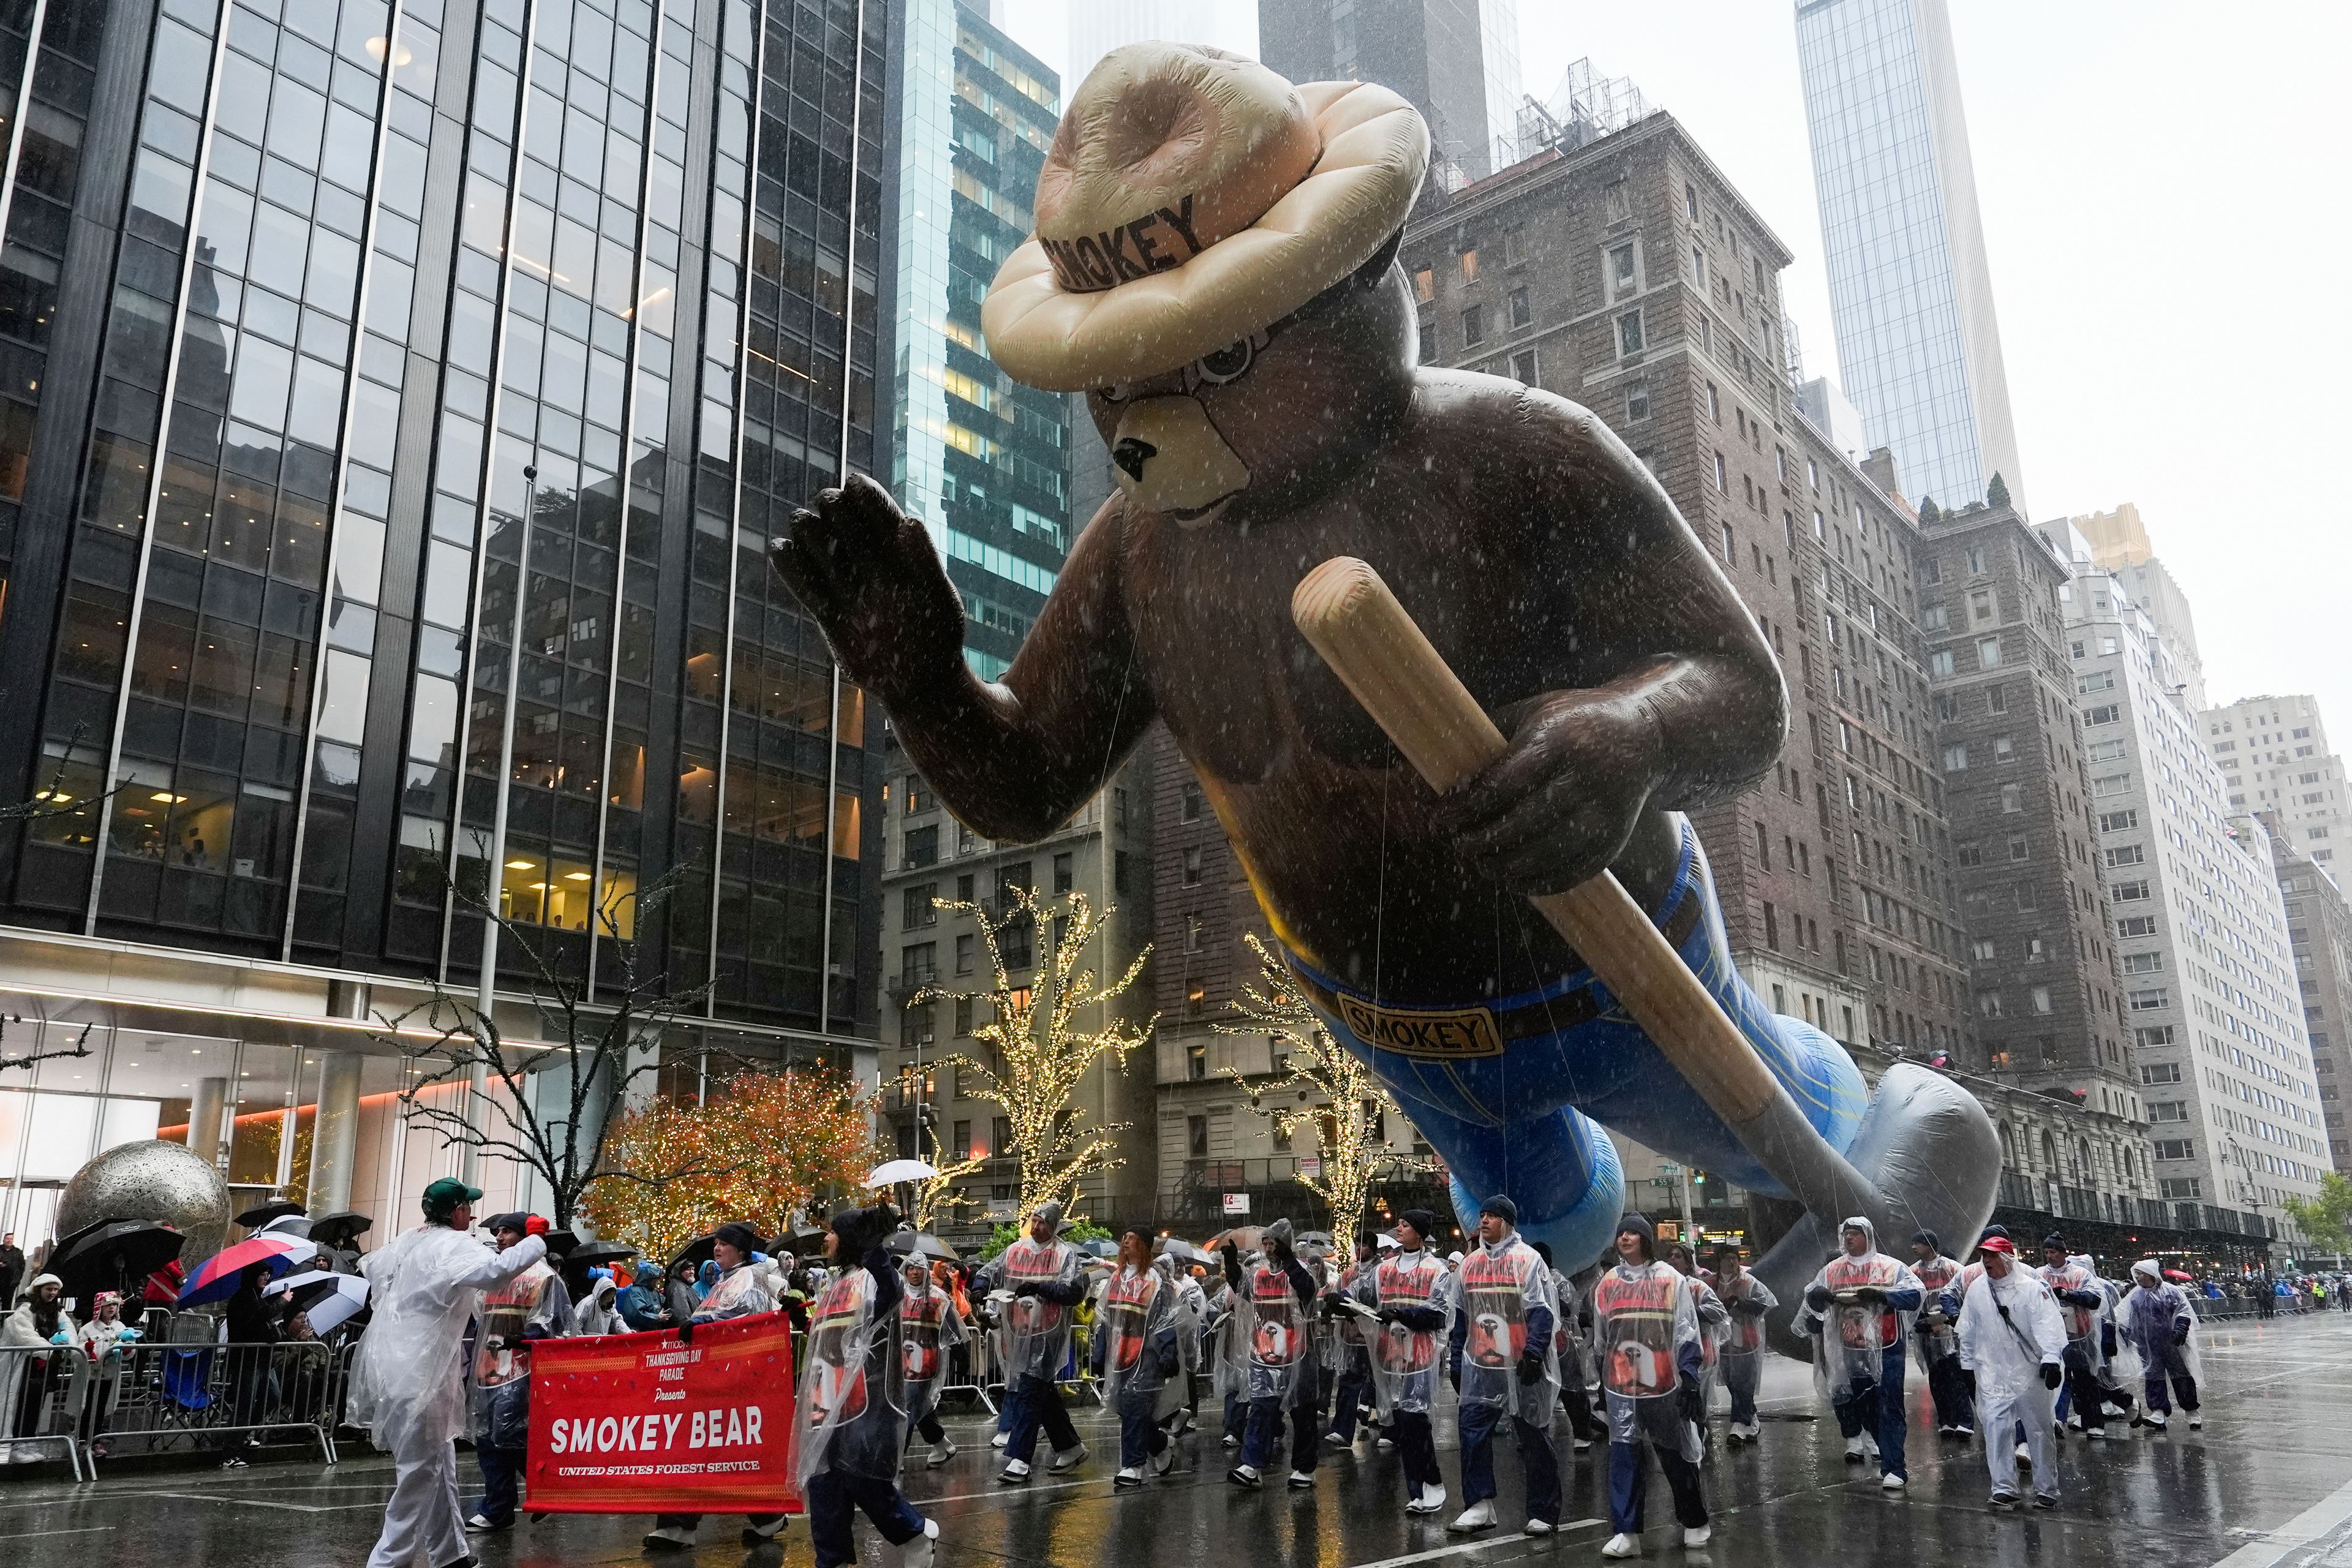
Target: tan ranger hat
x=1191 y=197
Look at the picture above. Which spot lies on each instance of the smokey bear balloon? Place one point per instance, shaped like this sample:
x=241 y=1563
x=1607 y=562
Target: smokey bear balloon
x=1215 y=267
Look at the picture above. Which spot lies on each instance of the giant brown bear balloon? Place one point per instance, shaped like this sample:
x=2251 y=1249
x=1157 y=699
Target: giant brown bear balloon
x=1215 y=267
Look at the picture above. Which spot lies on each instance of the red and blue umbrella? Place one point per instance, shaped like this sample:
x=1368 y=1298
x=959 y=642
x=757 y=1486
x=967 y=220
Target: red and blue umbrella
x=216 y=1279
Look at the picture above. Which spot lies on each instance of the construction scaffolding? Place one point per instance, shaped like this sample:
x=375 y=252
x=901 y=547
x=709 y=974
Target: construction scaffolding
x=1585 y=106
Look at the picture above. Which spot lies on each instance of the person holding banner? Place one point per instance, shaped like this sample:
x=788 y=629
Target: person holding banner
x=931 y=1324
x=740 y=1292
x=1047 y=1277
x=407 y=1382
x=853 y=1403
x=533 y=1305
x=1135 y=1354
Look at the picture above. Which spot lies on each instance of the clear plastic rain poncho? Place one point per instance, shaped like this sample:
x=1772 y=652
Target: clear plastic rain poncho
x=1854 y=1335
x=2008 y=1328
x=1271 y=1333
x=533 y=1305
x=2158 y=1321
x=1034 y=1334
x=2077 y=1277
x=1646 y=1331
x=1747 y=1299
x=1134 y=1320
x=853 y=1398
x=1934 y=1334
x=1502 y=1286
x=927 y=1324
x=1404 y=1359
x=408 y=1378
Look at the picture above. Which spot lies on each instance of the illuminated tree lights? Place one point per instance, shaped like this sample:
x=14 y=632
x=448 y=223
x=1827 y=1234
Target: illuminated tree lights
x=1041 y=1048
x=1348 y=1122
x=759 y=1148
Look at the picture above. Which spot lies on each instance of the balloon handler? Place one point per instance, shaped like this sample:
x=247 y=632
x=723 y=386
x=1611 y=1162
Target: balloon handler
x=1214 y=266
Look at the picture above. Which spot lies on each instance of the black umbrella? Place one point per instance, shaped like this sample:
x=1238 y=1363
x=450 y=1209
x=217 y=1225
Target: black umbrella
x=339 y=1229
x=923 y=1241
x=277 y=1208
x=113 y=1256
x=575 y=1261
x=596 y=1252
x=695 y=1253
x=802 y=1240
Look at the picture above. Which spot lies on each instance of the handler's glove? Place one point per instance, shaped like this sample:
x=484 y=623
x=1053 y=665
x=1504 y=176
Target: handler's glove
x=536 y=1226
x=1869 y=1295
x=1531 y=1367
x=685 y=1333
x=1818 y=1298
x=2181 y=1336
x=2052 y=1374
x=1748 y=1307
x=1027 y=1288
x=1167 y=1363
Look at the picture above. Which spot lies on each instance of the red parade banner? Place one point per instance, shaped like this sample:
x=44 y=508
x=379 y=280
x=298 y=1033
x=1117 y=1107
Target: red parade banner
x=642 y=1424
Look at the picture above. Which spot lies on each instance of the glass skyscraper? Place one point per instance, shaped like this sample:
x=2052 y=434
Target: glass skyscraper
x=983 y=461
x=1910 y=295
x=397 y=400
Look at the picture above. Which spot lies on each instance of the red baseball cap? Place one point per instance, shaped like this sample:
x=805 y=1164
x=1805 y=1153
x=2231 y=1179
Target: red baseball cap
x=1997 y=1244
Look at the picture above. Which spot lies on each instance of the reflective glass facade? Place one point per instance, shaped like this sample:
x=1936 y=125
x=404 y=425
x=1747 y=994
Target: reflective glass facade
x=984 y=462
x=1910 y=295
x=425 y=379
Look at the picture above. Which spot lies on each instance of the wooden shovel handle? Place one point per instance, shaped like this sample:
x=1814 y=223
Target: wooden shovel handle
x=1350 y=616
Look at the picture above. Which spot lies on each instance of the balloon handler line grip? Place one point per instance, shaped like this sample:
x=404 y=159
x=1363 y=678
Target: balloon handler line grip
x=1355 y=623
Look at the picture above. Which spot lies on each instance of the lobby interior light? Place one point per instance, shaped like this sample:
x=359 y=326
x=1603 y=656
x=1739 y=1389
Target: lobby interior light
x=522 y=865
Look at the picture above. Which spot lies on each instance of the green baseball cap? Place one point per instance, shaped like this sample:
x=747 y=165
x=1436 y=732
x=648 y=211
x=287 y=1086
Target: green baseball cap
x=442 y=1196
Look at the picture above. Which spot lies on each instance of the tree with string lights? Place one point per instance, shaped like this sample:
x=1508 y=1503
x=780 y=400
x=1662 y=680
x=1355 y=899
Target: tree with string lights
x=1042 y=1046
x=759 y=1148
x=938 y=1197
x=1347 y=1122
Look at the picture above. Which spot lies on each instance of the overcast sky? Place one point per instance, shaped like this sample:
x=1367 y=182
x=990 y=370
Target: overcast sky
x=2162 y=184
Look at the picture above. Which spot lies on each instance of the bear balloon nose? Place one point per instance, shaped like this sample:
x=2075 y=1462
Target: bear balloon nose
x=1131 y=454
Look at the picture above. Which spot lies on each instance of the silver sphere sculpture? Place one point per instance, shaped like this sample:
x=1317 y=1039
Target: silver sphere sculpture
x=152 y=1180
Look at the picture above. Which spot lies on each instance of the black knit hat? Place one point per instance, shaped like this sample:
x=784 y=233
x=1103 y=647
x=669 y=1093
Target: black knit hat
x=1639 y=1224
x=1502 y=1207
x=1424 y=1223
x=742 y=1237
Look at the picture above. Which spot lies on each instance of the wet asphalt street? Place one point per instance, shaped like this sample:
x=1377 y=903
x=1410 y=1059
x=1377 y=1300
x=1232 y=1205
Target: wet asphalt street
x=2267 y=1482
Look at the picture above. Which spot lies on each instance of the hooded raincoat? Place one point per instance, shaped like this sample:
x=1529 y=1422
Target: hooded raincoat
x=1136 y=1329
x=2009 y=1331
x=1645 y=1327
x=853 y=1403
x=928 y=1324
x=2158 y=1321
x=1034 y=1331
x=1933 y=1335
x=1873 y=1300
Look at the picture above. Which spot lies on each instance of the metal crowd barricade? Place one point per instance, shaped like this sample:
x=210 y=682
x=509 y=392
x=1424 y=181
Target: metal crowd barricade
x=44 y=1390
x=980 y=1373
x=182 y=1396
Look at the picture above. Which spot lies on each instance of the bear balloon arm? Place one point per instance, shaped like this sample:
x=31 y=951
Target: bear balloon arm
x=1015 y=760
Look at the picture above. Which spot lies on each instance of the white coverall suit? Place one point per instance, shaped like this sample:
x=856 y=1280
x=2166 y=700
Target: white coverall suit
x=2007 y=1356
x=408 y=1380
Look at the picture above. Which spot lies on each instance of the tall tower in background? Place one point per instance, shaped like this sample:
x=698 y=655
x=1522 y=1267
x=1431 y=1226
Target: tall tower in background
x=1456 y=60
x=1910 y=294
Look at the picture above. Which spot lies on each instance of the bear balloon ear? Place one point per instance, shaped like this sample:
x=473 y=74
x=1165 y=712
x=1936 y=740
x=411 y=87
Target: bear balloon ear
x=1376 y=266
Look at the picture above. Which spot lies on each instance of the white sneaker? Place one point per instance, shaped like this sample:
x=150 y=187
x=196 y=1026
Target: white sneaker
x=1870 y=1446
x=1129 y=1478
x=2196 y=1422
x=669 y=1538
x=1384 y=1446
x=2024 y=1454
x=2094 y=1434
x=1696 y=1536
x=1854 y=1450
x=1164 y=1461
x=998 y=1441
x=1432 y=1499
x=1581 y=1444
x=1477 y=1516
x=920 y=1551
x=1540 y=1527
x=1890 y=1482
x=1337 y=1441
x=1301 y=1479
x=1231 y=1441
x=941 y=1452
x=1244 y=1475
x=1067 y=1459
x=1622 y=1546
x=2155 y=1418
x=1014 y=1473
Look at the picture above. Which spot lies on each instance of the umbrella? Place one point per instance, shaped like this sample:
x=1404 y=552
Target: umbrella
x=924 y=1242
x=1099 y=1247
x=1183 y=1251
x=2178 y=1275
x=591 y=1253
x=894 y=1170
x=216 y=1279
x=292 y=1224
x=695 y=1252
x=340 y=1228
x=113 y=1253
x=277 y=1208
x=802 y=1240
x=329 y=1298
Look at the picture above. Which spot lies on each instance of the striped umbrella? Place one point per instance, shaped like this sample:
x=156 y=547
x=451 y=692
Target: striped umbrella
x=216 y=1281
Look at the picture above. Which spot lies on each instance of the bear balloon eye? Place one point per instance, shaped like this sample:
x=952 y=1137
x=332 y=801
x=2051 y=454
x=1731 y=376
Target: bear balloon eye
x=1117 y=392
x=1225 y=364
